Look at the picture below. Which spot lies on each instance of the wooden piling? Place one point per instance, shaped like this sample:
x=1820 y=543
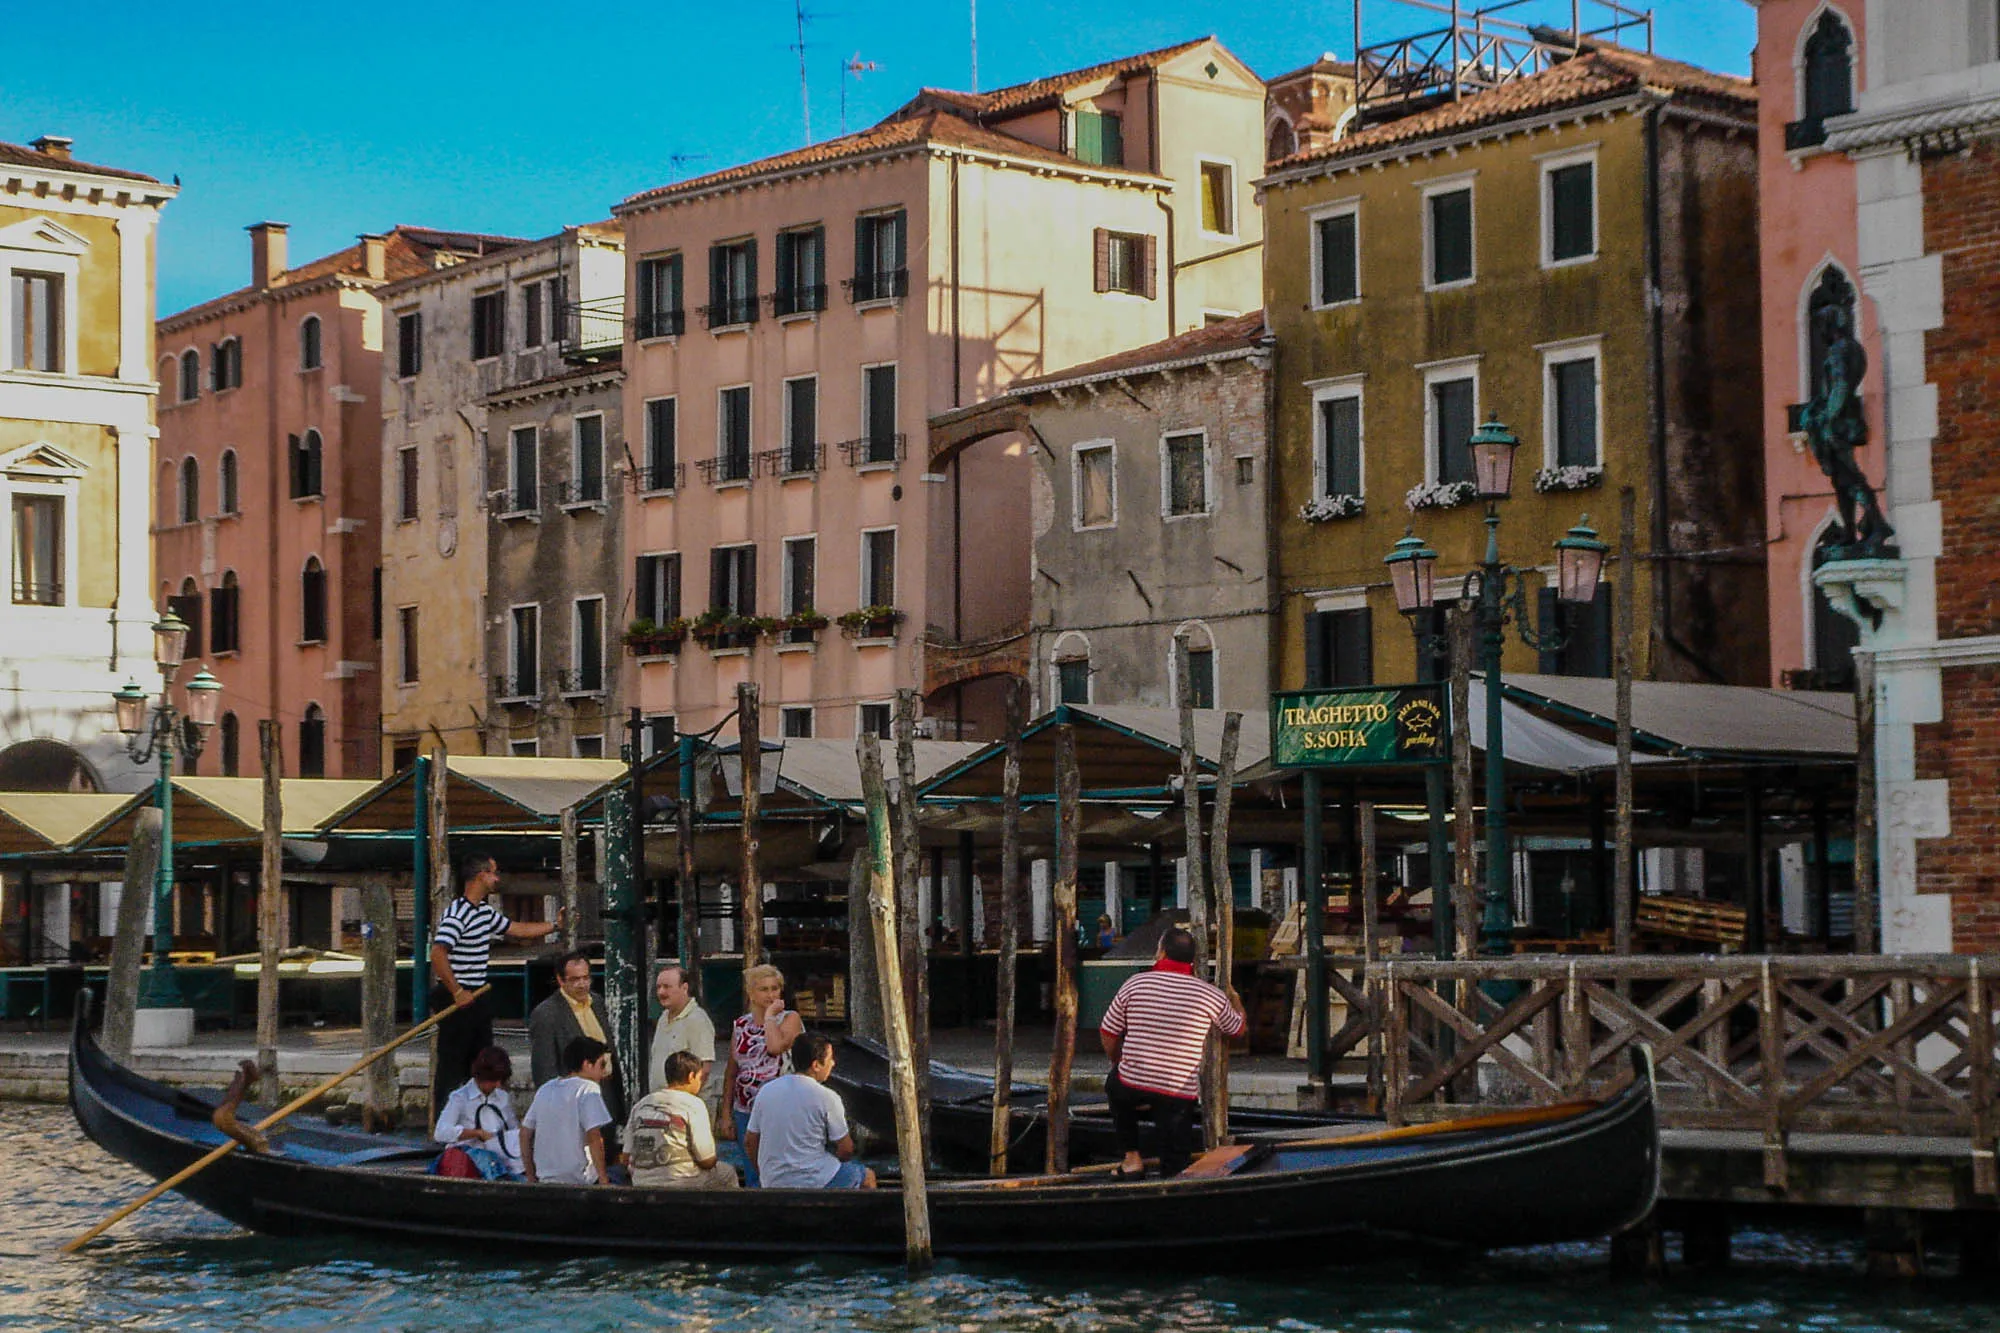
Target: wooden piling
x=690 y=882
x=380 y=1099
x=571 y=914
x=912 y=917
x=128 y=946
x=1865 y=860
x=1197 y=894
x=883 y=916
x=864 y=999
x=1063 y=1053
x=437 y=894
x=1623 y=902
x=750 y=896
x=1215 y=1080
x=270 y=891
x=1464 y=877
x=1010 y=933
x=1369 y=883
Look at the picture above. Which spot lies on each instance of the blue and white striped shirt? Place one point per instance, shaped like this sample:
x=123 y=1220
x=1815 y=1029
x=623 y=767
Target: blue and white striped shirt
x=466 y=933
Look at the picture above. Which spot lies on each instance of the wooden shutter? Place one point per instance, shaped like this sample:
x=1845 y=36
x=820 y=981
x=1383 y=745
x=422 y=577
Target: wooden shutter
x=645 y=605
x=1100 y=260
x=748 y=556
x=1353 y=649
x=718 y=578
x=783 y=280
x=749 y=293
x=864 y=252
x=1149 y=276
x=295 y=465
x=1317 y=674
x=718 y=279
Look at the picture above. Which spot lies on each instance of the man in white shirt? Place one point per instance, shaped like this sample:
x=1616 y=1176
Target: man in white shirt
x=683 y=1026
x=562 y=1136
x=671 y=1137
x=798 y=1136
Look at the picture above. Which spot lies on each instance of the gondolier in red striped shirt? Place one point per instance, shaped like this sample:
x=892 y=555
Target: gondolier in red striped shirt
x=1155 y=1032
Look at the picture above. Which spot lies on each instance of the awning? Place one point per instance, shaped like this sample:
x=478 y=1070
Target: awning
x=1707 y=721
x=1536 y=742
x=46 y=821
x=222 y=810
x=482 y=793
x=1122 y=752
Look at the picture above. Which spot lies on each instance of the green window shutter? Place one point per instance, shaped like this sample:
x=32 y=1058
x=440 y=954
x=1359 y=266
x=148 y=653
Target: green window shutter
x=1339 y=269
x=864 y=259
x=1571 y=231
x=1451 y=417
x=1341 y=430
x=1087 y=136
x=1576 y=413
x=1451 y=236
x=1317 y=629
x=718 y=274
x=1352 y=655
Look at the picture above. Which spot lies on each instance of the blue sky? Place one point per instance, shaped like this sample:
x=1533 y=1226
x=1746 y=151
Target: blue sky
x=519 y=118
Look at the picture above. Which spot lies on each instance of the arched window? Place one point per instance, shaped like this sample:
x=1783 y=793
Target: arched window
x=190 y=375
x=1201 y=664
x=231 y=746
x=1829 y=70
x=305 y=460
x=312 y=602
x=312 y=742
x=1834 y=636
x=309 y=343
x=1284 y=142
x=224 y=616
x=188 y=607
x=190 y=507
x=1069 y=669
x=227 y=501
x=225 y=365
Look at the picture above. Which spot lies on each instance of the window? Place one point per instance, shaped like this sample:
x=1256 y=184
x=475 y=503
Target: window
x=1073 y=671
x=1094 y=482
x=662 y=470
x=1097 y=137
x=406 y=484
x=1569 y=210
x=1827 y=83
x=1184 y=473
x=526 y=749
x=802 y=425
x=656 y=592
x=312 y=602
x=410 y=344
x=732 y=434
x=801 y=564
x=880 y=266
x=37 y=321
x=225 y=365
x=309 y=349
x=1448 y=236
x=588 y=747
x=796 y=724
x=876 y=719
x=229 y=501
x=225 y=612
x=557 y=311
x=1337 y=441
x=1585 y=630
x=657 y=735
x=878 y=567
x=1340 y=648
x=1337 y=257
x=878 y=415
x=732 y=579
x=304 y=455
x=1570 y=409
x=587 y=459
x=188 y=607
x=1246 y=469
x=1282 y=141
x=524 y=464
x=489 y=325
x=586 y=647
x=524 y=658
x=232 y=746
x=732 y=284
x=659 y=294
x=38 y=550
x=1218 y=199
x=801 y=271
x=531 y=314
x=1201 y=677
x=1123 y=263
x=190 y=375
x=312 y=742
x=190 y=507
x=1451 y=406
x=406 y=629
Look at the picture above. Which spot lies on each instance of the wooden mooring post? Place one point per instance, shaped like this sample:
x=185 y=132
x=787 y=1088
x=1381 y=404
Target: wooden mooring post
x=1010 y=934
x=270 y=901
x=381 y=1102
x=750 y=895
x=1063 y=1053
x=128 y=946
x=913 y=911
x=1215 y=1083
x=1623 y=902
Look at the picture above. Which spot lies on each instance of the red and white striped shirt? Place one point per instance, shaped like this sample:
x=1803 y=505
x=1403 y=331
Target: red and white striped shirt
x=1165 y=1017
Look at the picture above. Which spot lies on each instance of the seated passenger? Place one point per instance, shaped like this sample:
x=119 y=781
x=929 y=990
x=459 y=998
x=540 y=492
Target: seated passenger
x=479 y=1118
x=798 y=1136
x=670 y=1136
x=562 y=1136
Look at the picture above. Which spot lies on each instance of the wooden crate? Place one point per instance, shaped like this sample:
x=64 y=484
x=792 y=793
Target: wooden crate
x=1696 y=919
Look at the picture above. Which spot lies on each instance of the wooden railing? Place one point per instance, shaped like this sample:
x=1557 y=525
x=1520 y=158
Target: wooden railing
x=1888 y=1045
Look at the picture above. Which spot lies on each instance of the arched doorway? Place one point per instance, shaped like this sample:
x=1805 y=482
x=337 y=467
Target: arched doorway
x=45 y=765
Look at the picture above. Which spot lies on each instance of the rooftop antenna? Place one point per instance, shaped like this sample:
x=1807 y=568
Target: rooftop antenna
x=805 y=98
x=855 y=66
x=975 y=45
x=675 y=161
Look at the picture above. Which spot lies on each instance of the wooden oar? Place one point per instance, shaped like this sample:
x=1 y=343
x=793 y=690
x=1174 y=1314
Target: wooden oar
x=1535 y=1115
x=303 y=1099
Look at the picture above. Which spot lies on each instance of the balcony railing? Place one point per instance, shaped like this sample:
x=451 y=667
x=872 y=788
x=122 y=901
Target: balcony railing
x=732 y=466
x=794 y=460
x=582 y=491
x=592 y=330
x=1807 y=132
x=659 y=324
x=798 y=300
x=728 y=314
x=522 y=685
x=877 y=286
x=574 y=681
x=660 y=478
x=874 y=449
x=517 y=502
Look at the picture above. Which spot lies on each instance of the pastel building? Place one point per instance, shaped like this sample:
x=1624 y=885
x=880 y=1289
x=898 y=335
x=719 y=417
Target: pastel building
x=796 y=323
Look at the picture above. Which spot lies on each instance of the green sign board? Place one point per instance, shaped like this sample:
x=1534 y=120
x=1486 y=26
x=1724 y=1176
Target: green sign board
x=1403 y=724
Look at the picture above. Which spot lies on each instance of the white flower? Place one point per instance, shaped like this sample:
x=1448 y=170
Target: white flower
x=1438 y=495
x=1575 y=477
x=1329 y=507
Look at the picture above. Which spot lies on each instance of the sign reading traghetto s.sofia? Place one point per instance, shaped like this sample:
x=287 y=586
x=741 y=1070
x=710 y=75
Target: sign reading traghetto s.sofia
x=1403 y=724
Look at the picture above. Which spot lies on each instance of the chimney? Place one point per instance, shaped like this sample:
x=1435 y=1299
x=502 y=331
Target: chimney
x=55 y=145
x=267 y=253
x=375 y=255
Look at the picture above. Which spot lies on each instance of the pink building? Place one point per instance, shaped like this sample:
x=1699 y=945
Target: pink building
x=796 y=323
x=269 y=503
x=1808 y=67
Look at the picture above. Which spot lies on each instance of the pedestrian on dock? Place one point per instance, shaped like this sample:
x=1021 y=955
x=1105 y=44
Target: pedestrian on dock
x=459 y=955
x=683 y=1026
x=798 y=1135
x=562 y=1136
x=479 y=1118
x=758 y=1043
x=572 y=1012
x=1156 y=1033
x=670 y=1136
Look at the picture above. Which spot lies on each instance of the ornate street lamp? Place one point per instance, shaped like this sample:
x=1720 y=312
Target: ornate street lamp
x=1493 y=447
x=1413 y=573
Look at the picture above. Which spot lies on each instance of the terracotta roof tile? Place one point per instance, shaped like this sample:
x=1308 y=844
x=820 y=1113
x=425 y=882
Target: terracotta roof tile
x=20 y=155
x=1003 y=100
x=1241 y=333
x=1594 y=76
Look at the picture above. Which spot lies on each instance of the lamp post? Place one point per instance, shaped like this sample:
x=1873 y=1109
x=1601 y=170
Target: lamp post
x=166 y=730
x=1501 y=593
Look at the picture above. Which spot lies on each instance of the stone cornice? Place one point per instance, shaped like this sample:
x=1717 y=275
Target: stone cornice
x=1862 y=131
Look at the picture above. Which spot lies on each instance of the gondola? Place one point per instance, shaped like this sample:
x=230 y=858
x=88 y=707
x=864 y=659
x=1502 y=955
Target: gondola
x=962 y=1113
x=1582 y=1174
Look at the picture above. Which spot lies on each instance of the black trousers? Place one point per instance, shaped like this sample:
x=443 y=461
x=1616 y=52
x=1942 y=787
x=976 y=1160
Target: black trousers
x=1172 y=1117
x=463 y=1034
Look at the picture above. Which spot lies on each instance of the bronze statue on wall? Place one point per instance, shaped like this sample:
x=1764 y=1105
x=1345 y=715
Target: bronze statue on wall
x=1835 y=427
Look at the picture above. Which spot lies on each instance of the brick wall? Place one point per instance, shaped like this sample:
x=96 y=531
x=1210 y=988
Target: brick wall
x=1964 y=749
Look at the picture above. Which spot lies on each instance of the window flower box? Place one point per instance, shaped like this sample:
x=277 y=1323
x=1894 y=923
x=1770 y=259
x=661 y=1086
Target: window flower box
x=1329 y=508
x=718 y=629
x=871 y=622
x=1576 y=477
x=644 y=638
x=1438 y=495
x=800 y=626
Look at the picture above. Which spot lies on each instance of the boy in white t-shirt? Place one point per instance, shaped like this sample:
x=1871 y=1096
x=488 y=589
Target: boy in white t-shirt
x=670 y=1137
x=562 y=1136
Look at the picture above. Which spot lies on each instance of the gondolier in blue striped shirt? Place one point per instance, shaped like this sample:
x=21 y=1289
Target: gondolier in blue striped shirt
x=459 y=953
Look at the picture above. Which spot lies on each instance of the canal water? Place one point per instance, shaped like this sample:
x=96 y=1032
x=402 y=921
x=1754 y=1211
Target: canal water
x=173 y=1266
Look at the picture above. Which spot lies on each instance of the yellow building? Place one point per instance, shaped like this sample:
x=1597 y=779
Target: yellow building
x=1574 y=251
x=76 y=431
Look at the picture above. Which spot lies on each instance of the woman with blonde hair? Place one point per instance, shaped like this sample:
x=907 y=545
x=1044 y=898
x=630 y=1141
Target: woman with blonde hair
x=758 y=1041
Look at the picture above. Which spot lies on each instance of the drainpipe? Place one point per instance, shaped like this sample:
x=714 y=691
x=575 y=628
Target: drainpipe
x=1153 y=141
x=958 y=461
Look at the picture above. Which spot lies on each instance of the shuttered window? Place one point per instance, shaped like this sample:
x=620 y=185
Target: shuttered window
x=1095 y=480
x=659 y=292
x=1186 y=481
x=656 y=588
x=1572 y=212
x=524 y=472
x=802 y=424
x=1340 y=648
x=1123 y=262
x=1452 y=412
x=1585 y=630
x=1340 y=445
x=225 y=612
x=489 y=325
x=878 y=568
x=880 y=266
x=732 y=443
x=410 y=344
x=732 y=579
x=661 y=454
x=1339 y=263
x=801 y=562
x=732 y=284
x=1098 y=137
x=1573 y=395
x=312 y=602
x=1450 y=220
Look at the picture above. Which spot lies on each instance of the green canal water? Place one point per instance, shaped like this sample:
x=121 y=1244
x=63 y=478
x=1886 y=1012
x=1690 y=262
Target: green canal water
x=176 y=1267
